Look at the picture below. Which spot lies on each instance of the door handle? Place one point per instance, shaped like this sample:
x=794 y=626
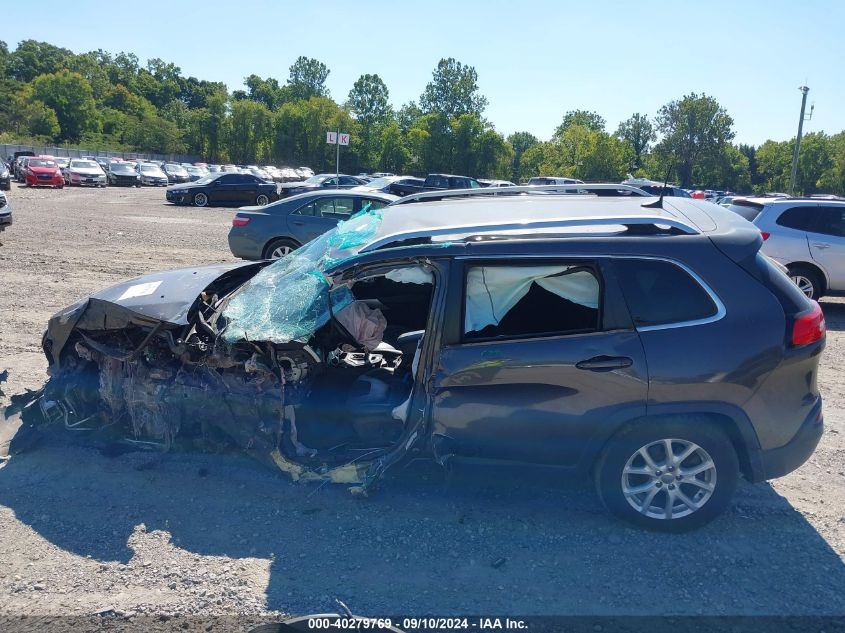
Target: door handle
x=299 y=223
x=821 y=245
x=598 y=363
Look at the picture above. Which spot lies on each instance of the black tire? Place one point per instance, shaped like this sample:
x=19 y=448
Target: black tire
x=808 y=280
x=262 y=199
x=200 y=199
x=625 y=447
x=280 y=243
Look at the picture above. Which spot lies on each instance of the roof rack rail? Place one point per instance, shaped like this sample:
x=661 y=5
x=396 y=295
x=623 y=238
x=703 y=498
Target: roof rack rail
x=570 y=189
x=545 y=227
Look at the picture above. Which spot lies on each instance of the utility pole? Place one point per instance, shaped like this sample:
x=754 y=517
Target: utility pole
x=804 y=90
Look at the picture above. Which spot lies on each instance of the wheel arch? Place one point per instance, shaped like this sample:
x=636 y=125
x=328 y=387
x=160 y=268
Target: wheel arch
x=815 y=268
x=265 y=249
x=729 y=418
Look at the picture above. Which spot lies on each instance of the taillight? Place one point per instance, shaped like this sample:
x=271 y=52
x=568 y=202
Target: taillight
x=808 y=327
x=239 y=221
x=765 y=235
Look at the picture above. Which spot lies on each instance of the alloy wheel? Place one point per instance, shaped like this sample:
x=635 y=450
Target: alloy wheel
x=804 y=284
x=669 y=479
x=200 y=199
x=280 y=251
x=262 y=200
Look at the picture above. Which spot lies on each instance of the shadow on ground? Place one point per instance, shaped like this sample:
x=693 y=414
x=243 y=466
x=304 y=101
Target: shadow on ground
x=492 y=541
x=834 y=315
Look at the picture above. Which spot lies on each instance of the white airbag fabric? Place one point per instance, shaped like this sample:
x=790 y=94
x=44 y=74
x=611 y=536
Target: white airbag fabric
x=493 y=290
x=365 y=324
x=412 y=275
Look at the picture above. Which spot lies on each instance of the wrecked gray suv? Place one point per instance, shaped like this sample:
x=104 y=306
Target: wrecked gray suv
x=647 y=341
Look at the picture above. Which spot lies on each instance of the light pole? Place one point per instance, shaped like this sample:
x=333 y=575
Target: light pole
x=804 y=90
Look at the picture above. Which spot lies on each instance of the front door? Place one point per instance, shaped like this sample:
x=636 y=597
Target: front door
x=827 y=243
x=221 y=190
x=540 y=362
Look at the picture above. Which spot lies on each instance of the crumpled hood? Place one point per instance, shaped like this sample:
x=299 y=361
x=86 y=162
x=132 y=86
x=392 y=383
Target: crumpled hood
x=163 y=297
x=43 y=170
x=167 y=295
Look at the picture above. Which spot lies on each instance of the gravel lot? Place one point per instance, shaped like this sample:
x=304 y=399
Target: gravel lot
x=174 y=535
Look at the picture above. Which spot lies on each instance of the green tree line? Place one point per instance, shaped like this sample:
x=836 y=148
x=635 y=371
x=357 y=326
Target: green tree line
x=51 y=95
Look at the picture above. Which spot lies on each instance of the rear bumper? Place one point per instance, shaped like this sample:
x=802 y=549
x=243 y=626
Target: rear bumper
x=244 y=246
x=777 y=462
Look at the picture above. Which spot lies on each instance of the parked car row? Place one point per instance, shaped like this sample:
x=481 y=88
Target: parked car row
x=268 y=172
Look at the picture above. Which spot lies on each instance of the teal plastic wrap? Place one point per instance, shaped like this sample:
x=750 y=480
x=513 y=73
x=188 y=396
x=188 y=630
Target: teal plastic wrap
x=289 y=299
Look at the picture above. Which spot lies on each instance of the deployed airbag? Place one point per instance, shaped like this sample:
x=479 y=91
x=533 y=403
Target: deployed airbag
x=493 y=290
x=365 y=324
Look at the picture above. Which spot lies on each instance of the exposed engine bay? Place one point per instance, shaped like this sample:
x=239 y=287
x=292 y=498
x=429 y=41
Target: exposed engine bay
x=322 y=407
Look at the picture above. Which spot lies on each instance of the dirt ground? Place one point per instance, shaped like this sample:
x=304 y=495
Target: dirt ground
x=172 y=535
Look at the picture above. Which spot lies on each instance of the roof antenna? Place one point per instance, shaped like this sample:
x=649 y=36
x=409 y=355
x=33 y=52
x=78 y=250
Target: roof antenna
x=658 y=204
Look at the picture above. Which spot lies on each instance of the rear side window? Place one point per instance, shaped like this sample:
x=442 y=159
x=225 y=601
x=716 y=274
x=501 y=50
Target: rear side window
x=662 y=293
x=800 y=218
x=530 y=301
x=746 y=209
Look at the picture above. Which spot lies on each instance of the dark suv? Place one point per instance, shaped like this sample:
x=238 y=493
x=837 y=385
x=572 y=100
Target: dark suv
x=646 y=341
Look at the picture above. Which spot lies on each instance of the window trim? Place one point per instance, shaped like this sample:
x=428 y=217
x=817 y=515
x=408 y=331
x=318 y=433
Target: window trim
x=721 y=312
x=720 y=307
x=323 y=197
x=592 y=264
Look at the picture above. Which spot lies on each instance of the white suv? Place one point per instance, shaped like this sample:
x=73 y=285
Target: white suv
x=807 y=235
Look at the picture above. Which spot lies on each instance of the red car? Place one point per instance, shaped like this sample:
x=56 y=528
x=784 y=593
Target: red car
x=43 y=172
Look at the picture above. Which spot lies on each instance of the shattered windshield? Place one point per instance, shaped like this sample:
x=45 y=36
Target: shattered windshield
x=292 y=298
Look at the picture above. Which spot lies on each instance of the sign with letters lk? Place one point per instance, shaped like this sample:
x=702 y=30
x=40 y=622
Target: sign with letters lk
x=334 y=138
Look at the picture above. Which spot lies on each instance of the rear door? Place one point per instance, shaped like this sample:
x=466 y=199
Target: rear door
x=827 y=243
x=243 y=190
x=539 y=359
x=788 y=231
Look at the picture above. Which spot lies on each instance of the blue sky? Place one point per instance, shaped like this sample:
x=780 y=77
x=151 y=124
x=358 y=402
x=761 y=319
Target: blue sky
x=535 y=60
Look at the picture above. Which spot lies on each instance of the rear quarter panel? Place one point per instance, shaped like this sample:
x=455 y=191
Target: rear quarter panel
x=739 y=361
